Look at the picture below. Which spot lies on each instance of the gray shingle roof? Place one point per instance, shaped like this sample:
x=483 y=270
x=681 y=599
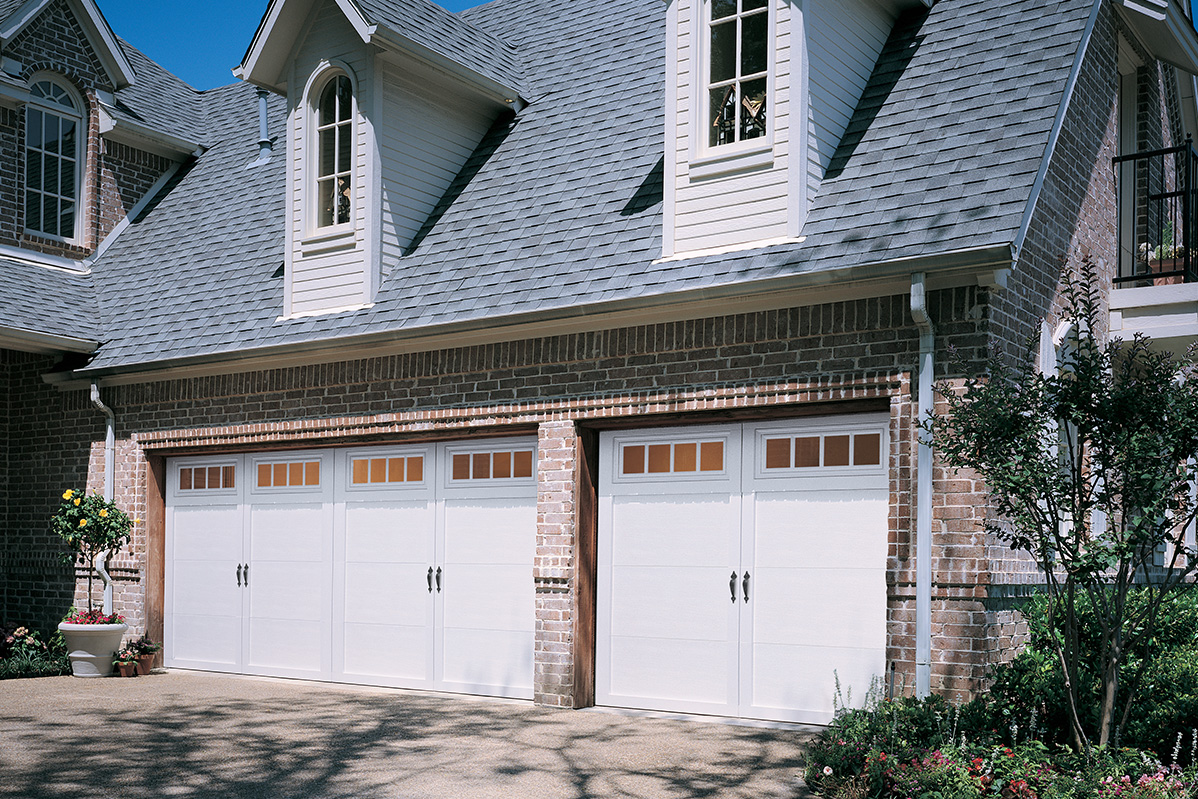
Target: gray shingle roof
x=160 y=100
x=561 y=208
x=431 y=26
x=7 y=7
x=45 y=300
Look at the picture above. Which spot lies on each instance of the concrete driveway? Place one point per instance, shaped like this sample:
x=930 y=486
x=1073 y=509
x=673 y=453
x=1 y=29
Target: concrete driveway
x=192 y=735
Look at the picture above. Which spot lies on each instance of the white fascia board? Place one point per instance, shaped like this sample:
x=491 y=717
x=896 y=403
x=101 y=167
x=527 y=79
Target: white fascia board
x=1164 y=30
x=12 y=338
x=95 y=27
x=266 y=59
x=398 y=43
x=143 y=137
x=13 y=93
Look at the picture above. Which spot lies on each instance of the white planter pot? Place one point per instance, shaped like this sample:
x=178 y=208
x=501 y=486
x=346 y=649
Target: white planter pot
x=91 y=647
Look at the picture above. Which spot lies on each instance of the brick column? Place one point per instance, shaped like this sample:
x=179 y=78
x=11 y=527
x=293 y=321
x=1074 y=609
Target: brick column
x=553 y=569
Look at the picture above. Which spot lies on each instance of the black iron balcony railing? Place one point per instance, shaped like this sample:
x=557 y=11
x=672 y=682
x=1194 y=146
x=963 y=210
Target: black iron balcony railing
x=1158 y=216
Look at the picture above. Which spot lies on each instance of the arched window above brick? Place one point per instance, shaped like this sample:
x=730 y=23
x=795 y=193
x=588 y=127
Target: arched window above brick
x=54 y=152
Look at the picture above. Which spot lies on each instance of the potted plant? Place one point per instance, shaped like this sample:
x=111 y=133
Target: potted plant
x=126 y=662
x=93 y=528
x=145 y=649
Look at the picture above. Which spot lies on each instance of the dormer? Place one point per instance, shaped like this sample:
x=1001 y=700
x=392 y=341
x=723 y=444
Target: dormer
x=759 y=94
x=386 y=103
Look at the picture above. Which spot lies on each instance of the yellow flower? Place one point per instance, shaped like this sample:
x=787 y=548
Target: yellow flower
x=103 y=513
x=77 y=500
x=83 y=522
x=137 y=521
x=68 y=494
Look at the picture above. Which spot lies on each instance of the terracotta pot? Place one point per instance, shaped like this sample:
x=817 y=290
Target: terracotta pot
x=127 y=669
x=145 y=663
x=91 y=647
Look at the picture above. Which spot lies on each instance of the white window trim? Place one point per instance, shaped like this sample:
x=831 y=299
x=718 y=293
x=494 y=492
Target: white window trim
x=329 y=235
x=81 y=128
x=741 y=155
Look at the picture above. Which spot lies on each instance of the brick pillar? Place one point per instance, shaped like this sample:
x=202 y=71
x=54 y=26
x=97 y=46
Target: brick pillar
x=553 y=569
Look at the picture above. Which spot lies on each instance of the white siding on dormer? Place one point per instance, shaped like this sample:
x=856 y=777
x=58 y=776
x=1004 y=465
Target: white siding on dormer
x=844 y=39
x=739 y=206
x=328 y=273
x=426 y=134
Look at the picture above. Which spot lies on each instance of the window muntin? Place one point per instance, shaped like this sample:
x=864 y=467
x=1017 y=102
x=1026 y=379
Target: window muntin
x=738 y=37
x=52 y=158
x=289 y=474
x=813 y=451
x=681 y=457
x=334 y=153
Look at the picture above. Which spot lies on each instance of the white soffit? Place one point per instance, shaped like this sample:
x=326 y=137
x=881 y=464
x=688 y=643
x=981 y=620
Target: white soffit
x=1163 y=27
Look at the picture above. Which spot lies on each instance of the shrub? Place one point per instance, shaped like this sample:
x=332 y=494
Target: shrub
x=24 y=654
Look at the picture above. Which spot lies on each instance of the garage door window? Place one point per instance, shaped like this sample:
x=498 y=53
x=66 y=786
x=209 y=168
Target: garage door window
x=682 y=457
x=813 y=451
x=366 y=471
x=501 y=465
x=289 y=474
x=206 y=478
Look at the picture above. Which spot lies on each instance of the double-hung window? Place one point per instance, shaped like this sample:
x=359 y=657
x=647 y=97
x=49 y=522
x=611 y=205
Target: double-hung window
x=52 y=159
x=334 y=136
x=738 y=50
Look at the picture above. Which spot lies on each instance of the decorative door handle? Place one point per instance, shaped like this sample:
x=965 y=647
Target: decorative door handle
x=438 y=579
x=239 y=575
x=744 y=587
x=430 y=579
x=245 y=575
x=732 y=587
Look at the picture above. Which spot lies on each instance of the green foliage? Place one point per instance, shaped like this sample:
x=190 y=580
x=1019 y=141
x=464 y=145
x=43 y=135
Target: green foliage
x=23 y=653
x=90 y=525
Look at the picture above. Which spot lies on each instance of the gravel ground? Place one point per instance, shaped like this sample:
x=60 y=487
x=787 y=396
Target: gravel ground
x=193 y=735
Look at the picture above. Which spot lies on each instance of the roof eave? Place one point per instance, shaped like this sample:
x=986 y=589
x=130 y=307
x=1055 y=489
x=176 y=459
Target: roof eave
x=35 y=341
x=273 y=42
x=1163 y=27
x=143 y=137
x=497 y=88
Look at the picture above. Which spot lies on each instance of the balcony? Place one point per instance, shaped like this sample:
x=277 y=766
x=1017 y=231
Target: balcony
x=1157 y=276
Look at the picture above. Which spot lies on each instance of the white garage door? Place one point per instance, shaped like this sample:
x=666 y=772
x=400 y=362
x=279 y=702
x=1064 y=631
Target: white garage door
x=405 y=566
x=742 y=568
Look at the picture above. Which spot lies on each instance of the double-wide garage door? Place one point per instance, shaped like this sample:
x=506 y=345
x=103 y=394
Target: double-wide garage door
x=405 y=566
x=742 y=568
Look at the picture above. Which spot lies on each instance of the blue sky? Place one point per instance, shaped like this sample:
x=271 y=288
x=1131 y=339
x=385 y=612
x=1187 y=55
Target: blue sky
x=202 y=41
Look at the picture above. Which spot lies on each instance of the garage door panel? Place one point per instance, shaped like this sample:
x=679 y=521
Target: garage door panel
x=494 y=597
x=288 y=533
x=389 y=532
x=799 y=682
x=395 y=651
x=679 y=530
x=386 y=593
x=293 y=591
x=290 y=646
x=837 y=607
x=210 y=639
x=684 y=671
x=497 y=662
x=206 y=533
x=835 y=528
x=201 y=587
x=691 y=604
x=499 y=531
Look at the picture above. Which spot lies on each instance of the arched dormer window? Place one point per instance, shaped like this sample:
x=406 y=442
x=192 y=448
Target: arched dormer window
x=53 y=157
x=333 y=140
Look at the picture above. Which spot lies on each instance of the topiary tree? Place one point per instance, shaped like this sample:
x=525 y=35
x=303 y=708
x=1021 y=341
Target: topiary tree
x=1091 y=473
x=92 y=527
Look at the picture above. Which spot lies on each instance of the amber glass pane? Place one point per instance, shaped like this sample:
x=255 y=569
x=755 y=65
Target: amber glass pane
x=378 y=470
x=279 y=478
x=836 y=451
x=200 y=478
x=659 y=458
x=312 y=473
x=295 y=474
x=185 y=479
x=867 y=450
x=214 y=477
x=361 y=470
x=264 y=475
x=686 y=457
x=395 y=470
x=711 y=456
x=461 y=467
x=482 y=466
x=634 y=460
x=502 y=464
x=777 y=453
x=227 y=477
x=415 y=470
x=522 y=463
x=807 y=452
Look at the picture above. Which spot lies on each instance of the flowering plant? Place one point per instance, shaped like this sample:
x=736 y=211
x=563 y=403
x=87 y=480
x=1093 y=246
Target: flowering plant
x=91 y=526
x=92 y=616
x=125 y=657
x=143 y=646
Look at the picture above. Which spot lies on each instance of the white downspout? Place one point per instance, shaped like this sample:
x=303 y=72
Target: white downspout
x=923 y=493
x=109 y=491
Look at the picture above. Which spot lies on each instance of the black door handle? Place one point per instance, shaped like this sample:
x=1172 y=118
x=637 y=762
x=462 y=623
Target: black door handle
x=430 y=579
x=744 y=587
x=239 y=575
x=438 y=579
x=245 y=575
x=732 y=586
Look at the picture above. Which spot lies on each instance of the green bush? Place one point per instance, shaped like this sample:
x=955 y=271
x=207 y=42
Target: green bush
x=24 y=654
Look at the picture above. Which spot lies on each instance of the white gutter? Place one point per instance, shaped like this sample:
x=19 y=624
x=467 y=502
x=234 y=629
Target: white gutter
x=923 y=492
x=109 y=487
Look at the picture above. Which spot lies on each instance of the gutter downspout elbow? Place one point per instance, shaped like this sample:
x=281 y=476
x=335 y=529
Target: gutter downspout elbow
x=923 y=494
x=109 y=485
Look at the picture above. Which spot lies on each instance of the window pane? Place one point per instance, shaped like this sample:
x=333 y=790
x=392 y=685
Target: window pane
x=312 y=473
x=867 y=450
x=836 y=451
x=264 y=472
x=482 y=466
x=723 y=51
x=753 y=43
x=68 y=137
x=295 y=474
x=378 y=470
x=227 y=477
x=686 y=457
x=343 y=186
x=200 y=478
x=33 y=210
x=327 y=153
x=344 y=99
x=461 y=467
x=185 y=479
x=723 y=115
x=214 y=477
x=722 y=8
x=711 y=456
x=749 y=5
x=50 y=214
x=634 y=460
x=66 y=178
x=325 y=194
x=659 y=458
x=66 y=219
x=280 y=474
x=33 y=128
x=395 y=470
x=344 y=143
x=328 y=104
x=753 y=112
x=361 y=469
x=53 y=134
x=777 y=453
x=415 y=470
x=503 y=464
x=807 y=452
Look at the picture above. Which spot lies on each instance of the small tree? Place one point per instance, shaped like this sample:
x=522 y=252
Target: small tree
x=91 y=526
x=1091 y=472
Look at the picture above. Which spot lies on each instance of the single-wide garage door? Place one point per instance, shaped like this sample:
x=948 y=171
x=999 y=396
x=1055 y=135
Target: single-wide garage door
x=742 y=568
x=405 y=566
